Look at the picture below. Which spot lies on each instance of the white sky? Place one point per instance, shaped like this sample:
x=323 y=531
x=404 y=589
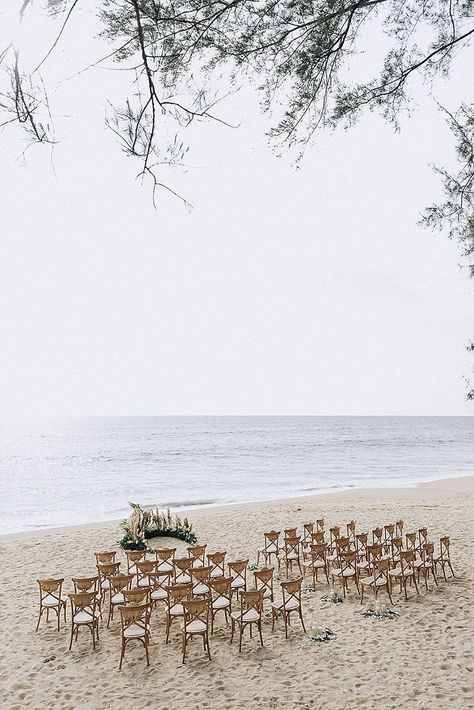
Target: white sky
x=282 y=292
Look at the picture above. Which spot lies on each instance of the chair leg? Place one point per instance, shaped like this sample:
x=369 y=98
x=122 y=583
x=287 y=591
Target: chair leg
x=232 y=630
x=39 y=619
x=301 y=617
x=208 y=649
x=146 y=653
x=122 y=653
x=240 y=637
x=451 y=568
x=416 y=585
x=435 y=577
x=260 y=632
x=93 y=636
x=72 y=636
x=184 y=646
x=389 y=594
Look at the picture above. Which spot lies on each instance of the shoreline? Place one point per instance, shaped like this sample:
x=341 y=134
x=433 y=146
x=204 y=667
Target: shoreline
x=458 y=483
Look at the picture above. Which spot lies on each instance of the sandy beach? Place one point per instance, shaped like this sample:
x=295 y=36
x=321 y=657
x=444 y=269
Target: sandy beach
x=423 y=659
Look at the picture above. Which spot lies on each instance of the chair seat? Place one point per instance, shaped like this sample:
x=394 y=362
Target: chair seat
x=159 y=594
x=198 y=563
x=397 y=572
x=266 y=593
x=370 y=581
x=315 y=564
x=248 y=616
x=176 y=610
x=338 y=572
x=237 y=584
x=220 y=603
x=289 y=606
x=292 y=556
x=164 y=567
x=105 y=584
x=118 y=598
x=195 y=627
x=84 y=617
x=269 y=550
x=183 y=578
x=216 y=572
x=134 y=631
x=200 y=589
x=51 y=601
x=145 y=582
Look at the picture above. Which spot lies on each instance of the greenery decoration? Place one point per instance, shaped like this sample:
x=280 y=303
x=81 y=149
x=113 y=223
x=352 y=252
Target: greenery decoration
x=317 y=634
x=146 y=523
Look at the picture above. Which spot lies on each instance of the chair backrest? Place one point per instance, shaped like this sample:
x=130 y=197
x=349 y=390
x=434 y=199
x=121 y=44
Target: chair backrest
x=145 y=567
x=308 y=529
x=83 y=601
x=342 y=544
x=292 y=545
x=389 y=532
x=396 y=545
x=85 y=584
x=290 y=532
x=120 y=582
x=361 y=543
x=377 y=535
x=263 y=579
x=444 y=543
x=134 y=556
x=422 y=537
x=407 y=560
x=380 y=570
x=374 y=552
x=160 y=579
x=197 y=553
x=108 y=570
x=317 y=537
x=201 y=575
x=271 y=541
x=136 y=614
x=318 y=552
x=291 y=591
x=178 y=592
x=220 y=588
x=196 y=610
x=399 y=528
x=217 y=562
x=181 y=565
x=238 y=570
x=102 y=558
x=351 y=527
x=251 y=600
x=428 y=552
x=50 y=588
x=334 y=534
x=349 y=561
x=320 y=525
x=410 y=539
x=136 y=595
x=165 y=554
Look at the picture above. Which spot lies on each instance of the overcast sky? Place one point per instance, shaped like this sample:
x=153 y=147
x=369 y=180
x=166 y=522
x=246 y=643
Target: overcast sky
x=284 y=291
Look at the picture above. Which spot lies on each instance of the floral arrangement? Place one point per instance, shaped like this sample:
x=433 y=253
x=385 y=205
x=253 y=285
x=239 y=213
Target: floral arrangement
x=317 y=634
x=252 y=567
x=381 y=612
x=332 y=597
x=150 y=522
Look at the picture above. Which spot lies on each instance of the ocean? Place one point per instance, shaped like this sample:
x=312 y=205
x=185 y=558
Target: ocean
x=76 y=470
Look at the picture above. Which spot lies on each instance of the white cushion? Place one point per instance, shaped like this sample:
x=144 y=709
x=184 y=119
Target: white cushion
x=118 y=598
x=134 y=631
x=216 y=572
x=51 y=601
x=237 y=583
x=183 y=578
x=159 y=594
x=200 y=589
x=164 y=567
x=83 y=617
x=221 y=603
x=195 y=627
x=145 y=582
x=250 y=615
x=176 y=610
x=290 y=604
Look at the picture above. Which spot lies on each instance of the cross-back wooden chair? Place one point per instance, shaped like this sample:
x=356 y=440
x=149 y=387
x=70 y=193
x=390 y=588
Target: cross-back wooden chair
x=159 y=580
x=136 y=595
x=361 y=545
x=238 y=572
x=104 y=558
x=399 y=525
x=373 y=554
x=88 y=584
x=406 y=571
x=334 y=534
x=379 y=579
x=410 y=541
x=144 y=569
x=134 y=556
x=320 y=525
x=249 y=614
x=196 y=622
x=388 y=535
x=377 y=536
x=197 y=555
x=271 y=547
x=182 y=570
x=422 y=540
x=396 y=548
x=118 y=583
x=84 y=613
x=426 y=565
x=342 y=544
x=308 y=529
x=263 y=581
x=444 y=557
x=106 y=571
x=217 y=562
x=221 y=593
x=292 y=554
x=177 y=593
x=200 y=577
x=317 y=562
x=164 y=559
x=135 y=626
x=51 y=599
x=289 y=603
x=351 y=531
x=317 y=538
x=347 y=570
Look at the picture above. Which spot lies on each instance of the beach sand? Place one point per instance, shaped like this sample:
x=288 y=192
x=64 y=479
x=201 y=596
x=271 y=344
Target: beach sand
x=423 y=659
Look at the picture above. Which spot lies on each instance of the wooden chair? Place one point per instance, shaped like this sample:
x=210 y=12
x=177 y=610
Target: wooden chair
x=84 y=614
x=238 y=572
x=320 y=525
x=289 y=603
x=106 y=571
x=200 y=577
x=342 y=544
x=410 y=542
x=250 y=613
x=426 y=565
x=317 y=538
x=347 y=570
x=137 y=595
x=444 y=557
x=373 y=554
x=263 y=581
x=334 y=534
x=399 y=525
x=164 y=559
x=270 y=548
x=217 y=562
x=182 y=570
x=88 y=584
x=177 y=593
x=144 y=569
x=134 y=556
x=406 y=571
x=396 y=548
x=197 y=554
x=221 y=594
x=291 y=554
x=196 y=622
x=377 y=536
x=118 y=583
x=317 y=562
x=51 y=599
x=351 y=531
x=158 y=583
x=291 y=532
x=135 y=626
x=422 y=540
x=388 y=535
x=361 y=546
x=104 y=558
x=378 y=580
x=308 y=529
